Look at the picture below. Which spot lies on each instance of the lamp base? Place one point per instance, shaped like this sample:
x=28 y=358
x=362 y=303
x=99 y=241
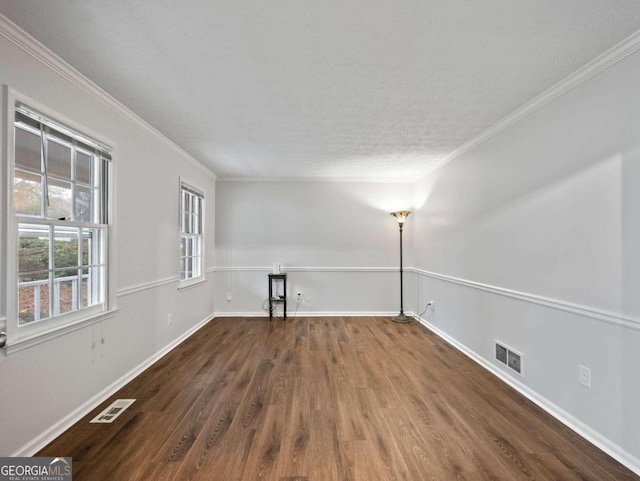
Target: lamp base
x=402 y=318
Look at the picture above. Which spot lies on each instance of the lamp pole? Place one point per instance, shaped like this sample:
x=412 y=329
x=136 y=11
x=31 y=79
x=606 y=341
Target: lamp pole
x=401 y=216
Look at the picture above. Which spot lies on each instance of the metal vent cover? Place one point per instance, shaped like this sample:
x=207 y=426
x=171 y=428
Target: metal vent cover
x=113 y=411
x=509 y=357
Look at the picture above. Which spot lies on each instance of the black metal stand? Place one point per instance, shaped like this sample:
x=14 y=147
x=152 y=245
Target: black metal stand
x=277 y=299
x=401 y=317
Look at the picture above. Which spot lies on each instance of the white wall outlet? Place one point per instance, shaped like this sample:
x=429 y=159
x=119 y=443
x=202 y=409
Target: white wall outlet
x=584 y=376
x=229 y=297
x=169 y=319
x=299 y=293
x=433 y=305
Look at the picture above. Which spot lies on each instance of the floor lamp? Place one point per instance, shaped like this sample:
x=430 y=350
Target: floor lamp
x=401 y=216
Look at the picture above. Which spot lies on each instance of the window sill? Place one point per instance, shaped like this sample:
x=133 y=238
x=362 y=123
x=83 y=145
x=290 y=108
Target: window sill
x=34 y=339
x=183 y=285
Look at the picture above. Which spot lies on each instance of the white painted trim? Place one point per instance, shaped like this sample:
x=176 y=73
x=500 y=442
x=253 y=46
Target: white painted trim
x=591 y=435
x=125 y=291
x=566 y=306
x=302 y=269
x=314 y=314
x=322 y=180
x=618 y=52
x=40 y=441
x=186 y=285
x=611 y=317
x=38 y=337
x=30 y=45
x=241 y=269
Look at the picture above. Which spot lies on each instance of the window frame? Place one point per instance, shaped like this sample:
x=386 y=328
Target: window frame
x=25 y=335
x=193 y=190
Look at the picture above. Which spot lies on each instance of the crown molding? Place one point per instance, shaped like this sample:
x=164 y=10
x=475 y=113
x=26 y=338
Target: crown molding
x=355 y=180
x=41 y=53
x=601 y=63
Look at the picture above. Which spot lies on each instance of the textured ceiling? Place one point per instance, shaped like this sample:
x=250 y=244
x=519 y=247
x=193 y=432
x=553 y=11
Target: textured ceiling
x=320 y=88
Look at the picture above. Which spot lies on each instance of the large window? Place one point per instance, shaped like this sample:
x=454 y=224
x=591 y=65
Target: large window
x=191 y=237
x=60 y=199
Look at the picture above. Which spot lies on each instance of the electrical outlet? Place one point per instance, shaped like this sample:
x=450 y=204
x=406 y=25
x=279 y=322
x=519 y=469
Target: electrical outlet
x=299 y=294
x=584 y=376
x=433 y=305
x=229 y=297
x=169 y=319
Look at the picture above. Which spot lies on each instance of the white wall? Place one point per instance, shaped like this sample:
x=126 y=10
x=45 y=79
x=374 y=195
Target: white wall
x=549 y=207
x=44 y=383
x=336 y=240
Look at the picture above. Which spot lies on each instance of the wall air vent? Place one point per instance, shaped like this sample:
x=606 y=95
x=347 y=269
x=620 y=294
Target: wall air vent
x=509 y=357
x=113 y=411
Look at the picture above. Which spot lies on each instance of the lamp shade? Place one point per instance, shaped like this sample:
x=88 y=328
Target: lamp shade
x=401 y=215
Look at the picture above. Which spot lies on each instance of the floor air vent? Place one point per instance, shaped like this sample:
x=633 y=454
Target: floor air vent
x=510 y=358
x=113 y=411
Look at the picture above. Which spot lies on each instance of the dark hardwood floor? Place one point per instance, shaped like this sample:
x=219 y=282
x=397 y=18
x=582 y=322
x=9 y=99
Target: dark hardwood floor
x=323 y=399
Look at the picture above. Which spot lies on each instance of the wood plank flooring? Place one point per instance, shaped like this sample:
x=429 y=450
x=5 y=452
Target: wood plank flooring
x=324 y=399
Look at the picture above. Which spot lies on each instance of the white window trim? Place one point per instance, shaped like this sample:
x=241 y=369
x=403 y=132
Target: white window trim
x=30 y=334
x=187 y=283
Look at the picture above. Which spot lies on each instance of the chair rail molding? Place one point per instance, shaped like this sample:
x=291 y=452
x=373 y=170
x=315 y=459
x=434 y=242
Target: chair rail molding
x=612 y=317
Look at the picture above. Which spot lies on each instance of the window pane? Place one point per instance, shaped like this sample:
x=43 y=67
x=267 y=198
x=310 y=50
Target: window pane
x=84 y=204
x=183 y=221
x=183 y=267
x=33 y=298
x=59 y=199
x=92 y=285
x=91 y=246
x=197 y=266
x=194 y=205
x=197 y=246
x=33 y=247
x=58 y=160
x=84 y=164
x=28 y=149
x=65 y=294
x=84 y=288
x=185 y=201
x=65 y=247
x=27 y=190
x=189 y=226
x=188 y=267
x=190 y=223
x=199 y=218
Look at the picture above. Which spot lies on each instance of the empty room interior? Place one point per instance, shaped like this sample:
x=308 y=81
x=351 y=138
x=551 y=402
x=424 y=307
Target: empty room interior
x=201 y=279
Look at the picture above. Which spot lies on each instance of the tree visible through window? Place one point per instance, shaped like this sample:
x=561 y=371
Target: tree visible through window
x=60 y=202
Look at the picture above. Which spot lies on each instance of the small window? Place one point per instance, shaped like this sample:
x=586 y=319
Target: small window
x=191 y=233
x=60 y=199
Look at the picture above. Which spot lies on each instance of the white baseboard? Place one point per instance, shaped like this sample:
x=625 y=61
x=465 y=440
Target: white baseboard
x=314 y=314
x=594 y=437
x=40 y=441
